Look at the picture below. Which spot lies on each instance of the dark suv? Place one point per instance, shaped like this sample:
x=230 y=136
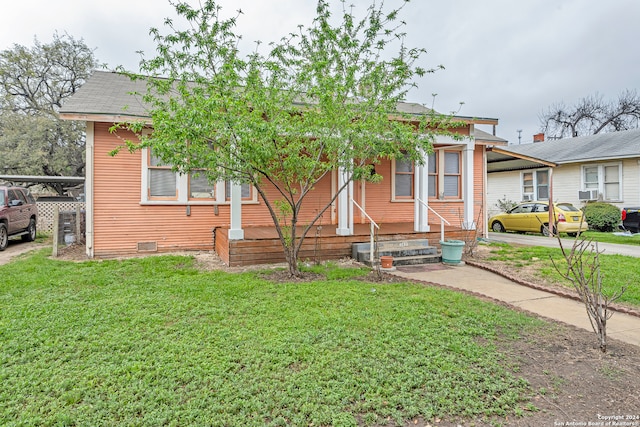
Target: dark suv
x=631 y=219
x=18 y=212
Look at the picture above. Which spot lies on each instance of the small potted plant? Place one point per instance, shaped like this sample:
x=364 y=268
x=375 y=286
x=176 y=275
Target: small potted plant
x=386 y=261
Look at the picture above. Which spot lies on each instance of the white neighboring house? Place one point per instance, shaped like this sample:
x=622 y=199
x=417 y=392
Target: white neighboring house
x=603 y=167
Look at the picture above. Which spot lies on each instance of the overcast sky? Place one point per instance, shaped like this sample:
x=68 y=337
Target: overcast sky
x=505 y=59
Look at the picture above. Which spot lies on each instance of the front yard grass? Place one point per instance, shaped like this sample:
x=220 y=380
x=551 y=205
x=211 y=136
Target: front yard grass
x=617 y=270
x=598 y=236
x=155 y=341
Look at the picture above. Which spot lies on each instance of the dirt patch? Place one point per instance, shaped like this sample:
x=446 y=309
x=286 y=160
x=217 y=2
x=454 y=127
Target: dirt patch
x=526 y=272
x=74 y=252
x=572 y=380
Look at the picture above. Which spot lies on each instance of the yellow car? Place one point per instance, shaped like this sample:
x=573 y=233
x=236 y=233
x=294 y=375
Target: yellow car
x=534 y=217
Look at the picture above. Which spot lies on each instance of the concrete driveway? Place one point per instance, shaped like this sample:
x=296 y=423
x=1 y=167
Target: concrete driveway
x=552 y=242
x=17 y=247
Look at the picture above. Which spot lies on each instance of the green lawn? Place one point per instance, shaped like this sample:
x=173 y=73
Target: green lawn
x=149 y=342
x=616 y=270
x=633 y=239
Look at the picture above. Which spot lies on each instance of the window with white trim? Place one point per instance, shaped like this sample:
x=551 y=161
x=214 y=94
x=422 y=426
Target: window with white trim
x=444 y=168
x=404 y=176
x=200 y=187
x=432 y=183
x=161 y=179
x=160 y=185
x=535 y=185
x=612 y=178
x=246 y=191
x=605 y=178
x=452 y=175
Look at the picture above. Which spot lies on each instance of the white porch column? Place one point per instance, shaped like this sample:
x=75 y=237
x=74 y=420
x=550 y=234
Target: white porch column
x=236 y=232
x=345 y=205
x=421 y=191
x=88 y=188
x=467 y=185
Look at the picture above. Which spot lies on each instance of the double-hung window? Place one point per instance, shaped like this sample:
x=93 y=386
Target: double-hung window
x=161 y=180
x=444 y=168
x=433 y=175
x=161 y=185
x=611 y=182
x=404 y=176
x=246 y=191
x=199 y=186
x=535 y=185
x=452 y=187
x=605 y=178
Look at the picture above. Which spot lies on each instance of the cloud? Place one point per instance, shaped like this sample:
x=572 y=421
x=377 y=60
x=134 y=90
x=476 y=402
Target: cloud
x=505 y=59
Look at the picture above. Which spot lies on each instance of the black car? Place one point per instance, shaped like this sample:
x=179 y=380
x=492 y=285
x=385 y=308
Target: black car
x=18 y=215
x=631 y=219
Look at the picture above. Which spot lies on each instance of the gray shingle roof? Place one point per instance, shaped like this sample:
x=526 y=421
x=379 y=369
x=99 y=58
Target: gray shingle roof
x=487 y=137
x=108 y=93
x=606 y=146
x=113 y=94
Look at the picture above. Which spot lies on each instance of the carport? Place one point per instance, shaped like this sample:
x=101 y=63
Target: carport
x=502 y=159
x=57 y=183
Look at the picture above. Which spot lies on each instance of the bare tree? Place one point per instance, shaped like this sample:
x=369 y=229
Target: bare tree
x=592 y=115
x=583 y=271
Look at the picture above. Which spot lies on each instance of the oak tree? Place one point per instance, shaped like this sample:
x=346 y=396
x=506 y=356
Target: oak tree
x=34 y=82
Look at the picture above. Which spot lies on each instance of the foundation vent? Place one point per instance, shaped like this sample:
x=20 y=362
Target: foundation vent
x=147 y=246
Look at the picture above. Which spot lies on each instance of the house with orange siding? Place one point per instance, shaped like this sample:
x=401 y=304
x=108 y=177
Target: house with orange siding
x=136 y=205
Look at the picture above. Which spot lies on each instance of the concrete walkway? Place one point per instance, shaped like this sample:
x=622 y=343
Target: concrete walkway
x=621 y=326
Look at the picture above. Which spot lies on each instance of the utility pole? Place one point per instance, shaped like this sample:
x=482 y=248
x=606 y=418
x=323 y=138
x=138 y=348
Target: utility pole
x=519 y=136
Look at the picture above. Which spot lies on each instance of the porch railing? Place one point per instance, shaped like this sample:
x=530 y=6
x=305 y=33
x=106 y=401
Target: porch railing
x=372 y=233
x=442 y=220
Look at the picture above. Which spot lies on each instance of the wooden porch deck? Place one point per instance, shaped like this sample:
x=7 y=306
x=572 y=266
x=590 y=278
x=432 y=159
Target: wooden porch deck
x=262 y=246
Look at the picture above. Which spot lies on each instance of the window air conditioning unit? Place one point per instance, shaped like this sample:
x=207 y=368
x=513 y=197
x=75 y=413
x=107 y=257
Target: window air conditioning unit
x=587 y=195
x=527 y=197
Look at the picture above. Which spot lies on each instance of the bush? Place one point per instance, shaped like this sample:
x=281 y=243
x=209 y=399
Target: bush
x=602 y=216
x=505 y=204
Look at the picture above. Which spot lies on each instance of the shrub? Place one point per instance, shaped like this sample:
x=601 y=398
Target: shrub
x=602 y=216
x=505 y=204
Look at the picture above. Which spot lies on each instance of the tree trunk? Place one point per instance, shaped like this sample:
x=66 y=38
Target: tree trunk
x=292 y=250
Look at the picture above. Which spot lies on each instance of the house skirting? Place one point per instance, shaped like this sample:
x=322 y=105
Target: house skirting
x=262 y=246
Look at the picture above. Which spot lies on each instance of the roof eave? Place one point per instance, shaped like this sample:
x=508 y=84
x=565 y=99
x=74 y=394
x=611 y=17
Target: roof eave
x=103 y=117
x=599 y=159
x=524 y=157
x=477 y=120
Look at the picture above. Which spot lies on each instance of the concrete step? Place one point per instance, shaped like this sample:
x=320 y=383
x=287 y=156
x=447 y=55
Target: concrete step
x=410 y=260
x=418 y=259
x=404 y=252
x=389 y=246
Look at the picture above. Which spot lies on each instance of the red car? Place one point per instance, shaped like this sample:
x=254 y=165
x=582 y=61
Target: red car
x=18 y=215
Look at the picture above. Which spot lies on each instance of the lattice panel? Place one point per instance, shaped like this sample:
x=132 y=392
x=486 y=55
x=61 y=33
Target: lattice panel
x=46 y=209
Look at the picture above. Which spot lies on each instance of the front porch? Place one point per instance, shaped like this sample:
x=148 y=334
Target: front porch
x=262 y=246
